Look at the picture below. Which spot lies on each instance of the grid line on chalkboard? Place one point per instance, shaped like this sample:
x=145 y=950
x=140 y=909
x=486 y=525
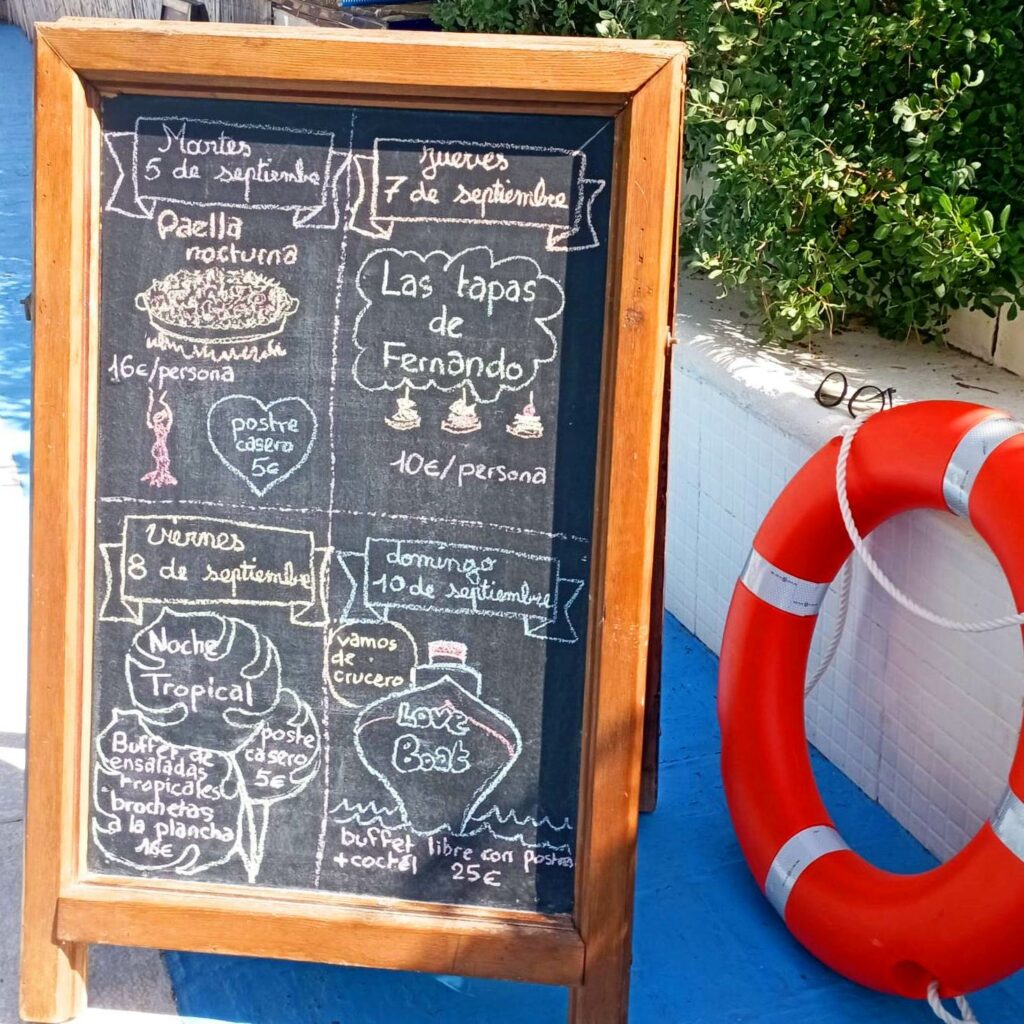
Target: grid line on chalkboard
x=326 y=582
x=312 y=510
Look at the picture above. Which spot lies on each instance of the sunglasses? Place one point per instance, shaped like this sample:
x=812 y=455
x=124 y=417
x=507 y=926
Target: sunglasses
x=868 y=398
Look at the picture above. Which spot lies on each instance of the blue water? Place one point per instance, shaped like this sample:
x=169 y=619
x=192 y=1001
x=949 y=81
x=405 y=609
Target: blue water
x=15 y=242
x=707 y=948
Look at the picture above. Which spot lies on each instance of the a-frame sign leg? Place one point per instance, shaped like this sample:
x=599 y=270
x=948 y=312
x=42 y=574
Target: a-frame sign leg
x=606 y=867
x=603 y=998
x=53 y=973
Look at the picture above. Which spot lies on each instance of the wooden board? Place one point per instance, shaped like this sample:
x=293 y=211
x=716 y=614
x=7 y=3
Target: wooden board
x=128 y=639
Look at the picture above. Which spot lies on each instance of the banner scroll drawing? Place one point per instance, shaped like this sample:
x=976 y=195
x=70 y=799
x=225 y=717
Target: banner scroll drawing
x=185 y=561
x=455 y=182
x=462 y=579
x=167 y=159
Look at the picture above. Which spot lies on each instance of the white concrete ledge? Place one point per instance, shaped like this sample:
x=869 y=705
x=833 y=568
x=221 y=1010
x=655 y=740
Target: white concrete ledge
x=719 y=339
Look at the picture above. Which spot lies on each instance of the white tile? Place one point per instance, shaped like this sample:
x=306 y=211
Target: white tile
x=923 y=719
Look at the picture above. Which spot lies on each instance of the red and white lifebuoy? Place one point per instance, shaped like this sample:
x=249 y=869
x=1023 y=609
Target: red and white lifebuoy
x=962 y=923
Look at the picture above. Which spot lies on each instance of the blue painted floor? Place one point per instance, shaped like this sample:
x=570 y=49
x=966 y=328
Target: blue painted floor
x=708 y=949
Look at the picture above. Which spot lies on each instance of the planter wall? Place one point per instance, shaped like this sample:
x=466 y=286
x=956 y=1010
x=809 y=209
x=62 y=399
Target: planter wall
x=996 y=339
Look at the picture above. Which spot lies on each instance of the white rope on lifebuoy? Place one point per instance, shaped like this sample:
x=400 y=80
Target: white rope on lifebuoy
x=943 y=1014
x=984 y=626
x=837 y=631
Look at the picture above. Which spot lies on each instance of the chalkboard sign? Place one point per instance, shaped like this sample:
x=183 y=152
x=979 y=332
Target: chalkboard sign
x=367 y=452
x=346 y=453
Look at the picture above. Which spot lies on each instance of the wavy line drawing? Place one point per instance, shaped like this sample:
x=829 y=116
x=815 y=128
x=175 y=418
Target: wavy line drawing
x=521 y=840
x=525 y=822
x=365 y=814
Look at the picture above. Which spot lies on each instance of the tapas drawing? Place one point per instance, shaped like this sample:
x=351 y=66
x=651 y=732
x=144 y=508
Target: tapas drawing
x=526 y=424
x=406 y=416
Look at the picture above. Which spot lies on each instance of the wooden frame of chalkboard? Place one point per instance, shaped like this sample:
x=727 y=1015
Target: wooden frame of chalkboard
x=67 y=905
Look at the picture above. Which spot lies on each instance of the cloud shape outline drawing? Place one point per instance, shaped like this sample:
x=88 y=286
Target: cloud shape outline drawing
x=401 y=381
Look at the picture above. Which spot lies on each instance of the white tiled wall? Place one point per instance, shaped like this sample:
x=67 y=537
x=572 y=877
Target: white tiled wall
x=923 y=719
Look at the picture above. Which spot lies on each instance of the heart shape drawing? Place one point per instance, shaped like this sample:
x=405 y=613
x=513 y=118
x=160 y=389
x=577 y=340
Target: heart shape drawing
x=262 y=443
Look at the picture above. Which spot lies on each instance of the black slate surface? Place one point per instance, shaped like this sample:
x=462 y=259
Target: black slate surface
x=348 y=393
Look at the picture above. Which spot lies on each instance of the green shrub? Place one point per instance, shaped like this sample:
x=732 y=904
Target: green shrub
x=866 y=156
x=642 y=19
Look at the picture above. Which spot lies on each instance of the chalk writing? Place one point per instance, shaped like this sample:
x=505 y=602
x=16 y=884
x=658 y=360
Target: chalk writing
x=161 y=806
x=261 y=443
x=126 y=367
x=409 y=181
x=280 y=759
x=196 y=560
x=227 y=232
x=347 y=403
x=465 y=474
x=467 y=322
x=205 y=162
x=167 y=793
x=205 y=679
x=463 y=579
x=365 y=660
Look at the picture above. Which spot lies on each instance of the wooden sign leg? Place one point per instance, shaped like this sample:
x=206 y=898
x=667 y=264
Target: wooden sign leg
x=615 y=741
x=52 y=983
x=52 y=973
x=603 y=998
x=655 y=645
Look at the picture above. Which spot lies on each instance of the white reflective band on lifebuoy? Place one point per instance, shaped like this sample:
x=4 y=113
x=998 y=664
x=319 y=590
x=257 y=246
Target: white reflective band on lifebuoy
x=779 y=589
x=969 y=456
x=796 y=855
x=1008 y=823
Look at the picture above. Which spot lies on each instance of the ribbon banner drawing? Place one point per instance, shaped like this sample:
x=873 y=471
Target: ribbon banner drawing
x=196 y=162
x=195 y=560
x=451 y=182
x=461 y=579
